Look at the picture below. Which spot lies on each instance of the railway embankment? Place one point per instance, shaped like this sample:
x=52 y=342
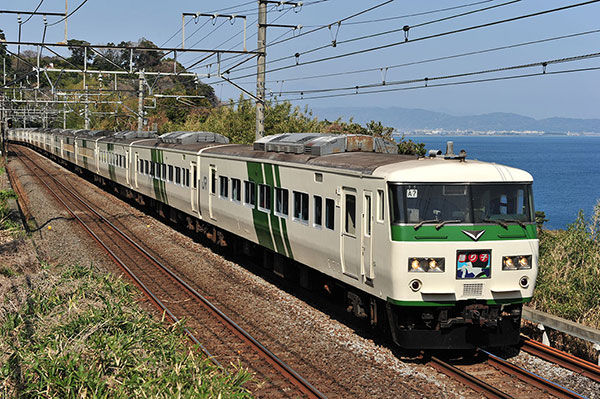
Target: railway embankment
x=74 y=331
x=569 y=279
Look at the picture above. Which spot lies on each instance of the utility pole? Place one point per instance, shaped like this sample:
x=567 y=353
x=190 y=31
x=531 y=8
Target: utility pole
x=66 y=13
x=260 y=69
x=86 y=110
x=141 y=102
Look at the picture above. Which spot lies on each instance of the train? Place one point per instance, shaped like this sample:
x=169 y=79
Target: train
x=437 y=251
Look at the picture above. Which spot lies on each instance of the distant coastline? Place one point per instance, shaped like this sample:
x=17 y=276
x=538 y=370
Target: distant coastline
x=489 y=133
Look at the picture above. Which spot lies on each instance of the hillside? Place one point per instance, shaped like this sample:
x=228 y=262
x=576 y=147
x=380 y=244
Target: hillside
x=406 y=119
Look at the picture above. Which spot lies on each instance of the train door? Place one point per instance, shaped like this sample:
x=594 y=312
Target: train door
x=136 y=170
x=367 y=230
x=212 y=192
x=350 y=242
x=194 y=186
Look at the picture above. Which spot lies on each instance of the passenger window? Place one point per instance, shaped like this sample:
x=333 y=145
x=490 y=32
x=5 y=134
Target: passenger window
x=224 y=186
x=187 y=177
x=264 y=197
x=281 y=201
x=301 y=206
x=146 y=166
x=368 y=215
x=158 y=170
x=164 y=171
x=195 y=176
x=318 y=211
x=213 y=180
x=250 y=193
x=380 y=205
x=350 y=219
x=171 y=173
x=177 y=175
x=236 y=190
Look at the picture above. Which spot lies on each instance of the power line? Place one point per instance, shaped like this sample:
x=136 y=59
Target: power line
x=412 y=15
x=476 y=52
x=68 y=15
x=33 y=13
x=236 y=6
x=426 y=80
x=436 y=35
x=406 y=28
x=451 y=83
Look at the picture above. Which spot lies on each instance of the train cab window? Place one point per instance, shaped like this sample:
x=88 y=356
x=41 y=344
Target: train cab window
x=177 y=175
x=350 y=215
x=281 y=201
x=264 y=197
x=318 y=211
x=223 y=186
x=330 y=214
x=171 y=173
x=380 y=205
x=236 y=190
x=250 y=193
x=301 y=206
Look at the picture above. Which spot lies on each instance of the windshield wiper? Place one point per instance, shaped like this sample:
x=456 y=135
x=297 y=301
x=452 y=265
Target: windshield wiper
x=443 y=222
x=520 y=223
x=422 y=222
x=501 y=222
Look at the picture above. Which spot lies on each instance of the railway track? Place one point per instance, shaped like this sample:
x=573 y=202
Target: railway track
x=561 y=358
x=544 y=386
x=228 y=342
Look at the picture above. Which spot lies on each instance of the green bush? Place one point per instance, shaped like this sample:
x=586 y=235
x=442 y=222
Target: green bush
x=81 y=334
x=569 y=271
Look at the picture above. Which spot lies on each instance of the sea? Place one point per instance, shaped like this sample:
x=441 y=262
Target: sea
x=565 y=169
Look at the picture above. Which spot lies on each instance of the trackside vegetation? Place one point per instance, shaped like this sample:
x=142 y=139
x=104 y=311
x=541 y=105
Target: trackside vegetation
x=79 y=333
x=568 y=283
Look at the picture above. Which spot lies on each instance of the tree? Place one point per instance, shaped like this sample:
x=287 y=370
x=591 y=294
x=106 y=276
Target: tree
x=78 y=53
x=3 y=52
x=146 y=59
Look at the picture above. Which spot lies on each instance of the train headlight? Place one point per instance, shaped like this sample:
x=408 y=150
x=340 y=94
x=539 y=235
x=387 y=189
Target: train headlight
x=435 y=265
x=519 y=262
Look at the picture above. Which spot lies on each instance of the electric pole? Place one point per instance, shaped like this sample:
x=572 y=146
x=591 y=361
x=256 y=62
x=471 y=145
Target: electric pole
x=141 y=102
x=260 y=69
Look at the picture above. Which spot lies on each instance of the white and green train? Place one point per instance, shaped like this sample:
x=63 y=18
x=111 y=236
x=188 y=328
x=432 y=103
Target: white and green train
x=440 y=251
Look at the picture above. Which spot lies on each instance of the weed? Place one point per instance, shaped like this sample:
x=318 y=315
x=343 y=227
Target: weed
x=81 y=334
x=6 y=271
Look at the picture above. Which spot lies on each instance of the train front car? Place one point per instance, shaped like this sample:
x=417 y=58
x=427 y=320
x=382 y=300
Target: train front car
x=464 y=252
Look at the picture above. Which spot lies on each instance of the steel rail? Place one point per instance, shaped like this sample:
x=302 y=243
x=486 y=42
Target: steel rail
x=286 y=370
x=530 y=378
x=119 y=262
x=473 y=382
x=561 y=358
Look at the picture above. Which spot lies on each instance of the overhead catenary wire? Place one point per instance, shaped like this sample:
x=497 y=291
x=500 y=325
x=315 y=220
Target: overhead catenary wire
x=373 y=35
x=422 y=38
x=426 y=80
x=587 y=69
x=475 y=52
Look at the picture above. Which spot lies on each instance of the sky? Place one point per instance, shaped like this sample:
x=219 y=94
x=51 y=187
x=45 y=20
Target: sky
x=575 y=95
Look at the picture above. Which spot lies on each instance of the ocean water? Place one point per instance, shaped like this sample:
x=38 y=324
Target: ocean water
x=565 y=169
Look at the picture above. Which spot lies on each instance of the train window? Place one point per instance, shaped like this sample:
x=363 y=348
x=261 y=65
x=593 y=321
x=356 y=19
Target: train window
x=264 y=197
x=367 y=211
x=153 y=169
x=164 y=171
x=236 y=190
x=318 y=211
x=213 y=180
x=301 y=206
x=223 y=186
x=177 y=175
x=350 y=216
x=171 y=173
x=158 y=170
x=146 y=167
x=249 y=193
x=281 y=201
x=380 y=205
x=187 y=177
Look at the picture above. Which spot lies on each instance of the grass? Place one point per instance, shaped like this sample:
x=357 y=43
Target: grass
x=569 y=271
x=81 y=334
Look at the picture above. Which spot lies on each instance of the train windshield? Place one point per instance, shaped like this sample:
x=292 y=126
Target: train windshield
x=461 y=203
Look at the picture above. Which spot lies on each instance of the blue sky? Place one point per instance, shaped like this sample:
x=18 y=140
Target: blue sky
x=568 y=95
